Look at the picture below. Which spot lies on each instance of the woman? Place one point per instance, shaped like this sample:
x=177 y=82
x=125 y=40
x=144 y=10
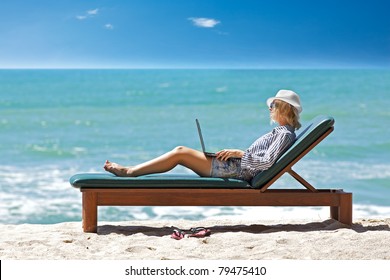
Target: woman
x=284 y=108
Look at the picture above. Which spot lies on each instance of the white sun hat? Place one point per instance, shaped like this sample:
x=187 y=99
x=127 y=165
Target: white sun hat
x=288 y=96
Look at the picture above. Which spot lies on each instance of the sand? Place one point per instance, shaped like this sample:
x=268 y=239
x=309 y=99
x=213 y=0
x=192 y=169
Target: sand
x=366 y=239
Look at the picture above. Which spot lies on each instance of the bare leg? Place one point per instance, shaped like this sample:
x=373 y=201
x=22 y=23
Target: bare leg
x=192 y=159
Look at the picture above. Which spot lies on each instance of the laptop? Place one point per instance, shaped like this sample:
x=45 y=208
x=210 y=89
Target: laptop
x=202 y=142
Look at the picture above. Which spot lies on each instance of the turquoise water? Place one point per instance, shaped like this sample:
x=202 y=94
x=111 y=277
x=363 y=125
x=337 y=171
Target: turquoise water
x=55 y=123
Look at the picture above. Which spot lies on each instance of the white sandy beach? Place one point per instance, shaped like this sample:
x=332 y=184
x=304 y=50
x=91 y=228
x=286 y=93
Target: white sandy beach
x=366 y=239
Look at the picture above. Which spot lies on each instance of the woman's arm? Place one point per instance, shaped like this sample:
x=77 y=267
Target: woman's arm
x=229 y=153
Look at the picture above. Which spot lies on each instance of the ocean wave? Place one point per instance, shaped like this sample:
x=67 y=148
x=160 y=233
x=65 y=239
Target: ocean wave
x=263 y=213
x=36 y=194
x=55 y=151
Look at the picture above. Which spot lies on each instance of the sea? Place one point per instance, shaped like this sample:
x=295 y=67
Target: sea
x=56 y=123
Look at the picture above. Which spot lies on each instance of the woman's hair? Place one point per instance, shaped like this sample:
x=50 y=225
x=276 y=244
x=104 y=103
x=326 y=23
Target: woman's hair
x=287 y=112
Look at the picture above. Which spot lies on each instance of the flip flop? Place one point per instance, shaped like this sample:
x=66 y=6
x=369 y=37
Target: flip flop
x=193 y=232
x=178 y=234
x=199 y=232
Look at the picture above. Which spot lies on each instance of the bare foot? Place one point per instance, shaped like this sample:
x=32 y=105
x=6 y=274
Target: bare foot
x=117 y=169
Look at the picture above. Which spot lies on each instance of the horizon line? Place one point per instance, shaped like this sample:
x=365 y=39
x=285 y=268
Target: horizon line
x=202 y=68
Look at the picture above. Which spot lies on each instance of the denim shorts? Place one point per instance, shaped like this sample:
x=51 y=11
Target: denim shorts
x=230 y=168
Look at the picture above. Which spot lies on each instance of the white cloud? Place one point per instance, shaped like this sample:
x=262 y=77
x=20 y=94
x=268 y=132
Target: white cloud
x=88 y=14
x=204 y=22
x=109 y=26
x=93 y=12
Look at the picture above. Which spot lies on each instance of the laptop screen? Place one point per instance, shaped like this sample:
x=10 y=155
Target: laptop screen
x=200 y=136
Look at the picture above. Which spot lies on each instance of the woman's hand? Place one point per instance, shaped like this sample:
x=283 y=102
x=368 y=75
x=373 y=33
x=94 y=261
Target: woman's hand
x=229 y=153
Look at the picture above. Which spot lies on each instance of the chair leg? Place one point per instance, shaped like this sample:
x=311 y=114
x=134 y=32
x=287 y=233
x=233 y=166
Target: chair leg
x=343 y=212
x=89 y=212
x=345 y=209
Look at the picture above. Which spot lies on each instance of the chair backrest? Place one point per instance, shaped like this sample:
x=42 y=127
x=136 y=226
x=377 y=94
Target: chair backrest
x=306 y=136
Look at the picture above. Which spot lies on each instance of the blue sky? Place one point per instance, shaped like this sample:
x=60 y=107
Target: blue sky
x=194 y=34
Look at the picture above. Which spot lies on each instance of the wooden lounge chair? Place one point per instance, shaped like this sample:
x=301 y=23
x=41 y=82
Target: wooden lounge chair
x=105 y=189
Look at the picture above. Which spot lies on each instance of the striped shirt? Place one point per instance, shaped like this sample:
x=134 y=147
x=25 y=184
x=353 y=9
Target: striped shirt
x=264 y=152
